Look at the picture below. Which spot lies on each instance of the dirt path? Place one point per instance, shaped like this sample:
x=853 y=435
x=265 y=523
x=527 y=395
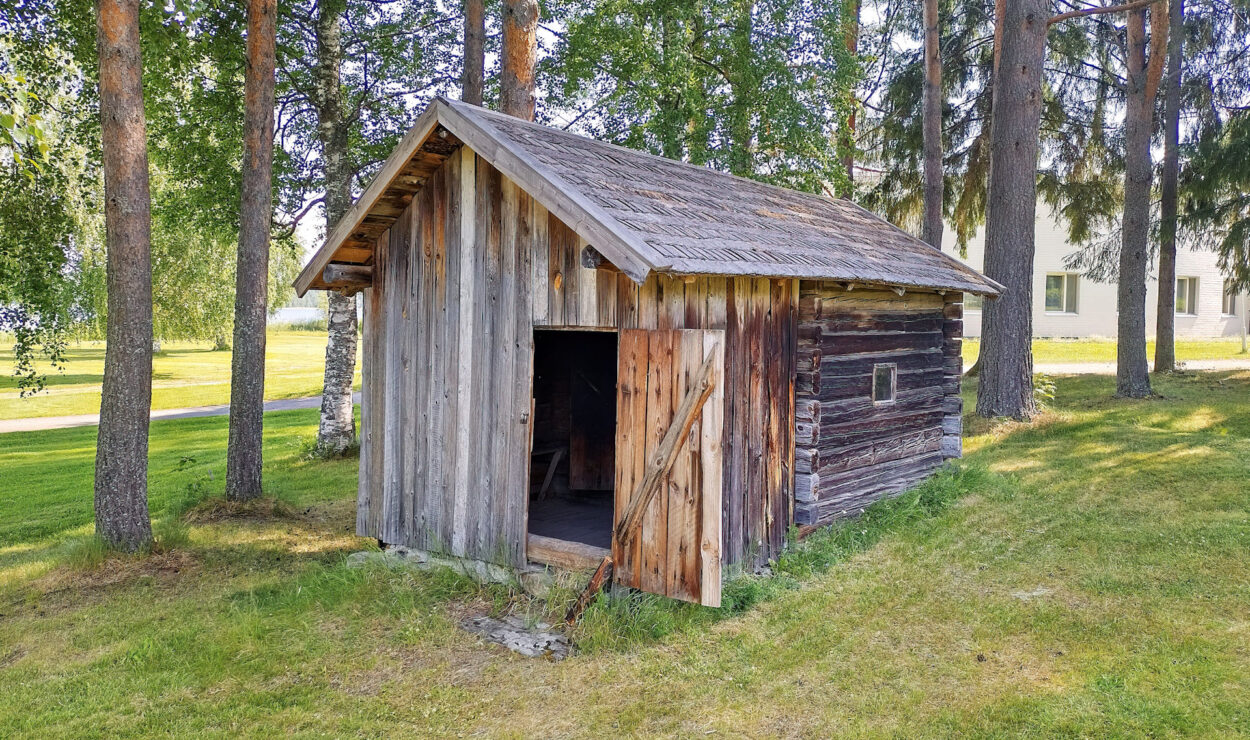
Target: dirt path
x=40 y=423
x=1108 y=368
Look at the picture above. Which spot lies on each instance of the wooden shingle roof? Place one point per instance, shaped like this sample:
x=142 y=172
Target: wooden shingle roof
x=646 y=213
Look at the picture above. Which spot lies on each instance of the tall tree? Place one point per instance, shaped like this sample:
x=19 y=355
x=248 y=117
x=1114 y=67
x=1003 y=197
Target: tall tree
x=756 y=88
x=247 y=378
x=519 y=57
x=121 y=467
x=472 y=79
x=1169 y=176
x=931 y=229
x=337 y=428
x=1143 y=71
x=846 y=134
x=1006 y=375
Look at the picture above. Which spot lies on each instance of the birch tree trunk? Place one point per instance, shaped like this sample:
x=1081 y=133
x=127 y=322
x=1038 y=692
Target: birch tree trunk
x=1165 y=320
x=337 y=428
x=931 y=230
x=472 y=78
x=251 y=289
x=121 y=463
x=1006 y=375
x=1132 y=373
x=520 y=52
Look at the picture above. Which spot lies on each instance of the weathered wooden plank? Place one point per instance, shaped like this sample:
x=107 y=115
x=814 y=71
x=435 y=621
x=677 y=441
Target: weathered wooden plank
x=556 y=279
x=710 y=474
x=517 y=519
x=431 y=368
x=631 y=416
x=684 y=482
x=540 y=262
x=484 y=500
x=736 y=410
x=563 y=553
x=654 y=530
x=449 y=369
x=365 y=523
x=506 y=490
x=412 y=312
x=467 y=276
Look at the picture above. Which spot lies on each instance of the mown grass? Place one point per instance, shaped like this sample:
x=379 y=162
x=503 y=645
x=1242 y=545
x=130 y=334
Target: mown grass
x=1103 y=350
x=183 y=374
x=1082 y=576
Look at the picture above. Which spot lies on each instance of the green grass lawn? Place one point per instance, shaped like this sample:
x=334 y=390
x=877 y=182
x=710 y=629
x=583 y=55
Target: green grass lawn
x=1082 y=576
x=183 y=374
x=1103 y=350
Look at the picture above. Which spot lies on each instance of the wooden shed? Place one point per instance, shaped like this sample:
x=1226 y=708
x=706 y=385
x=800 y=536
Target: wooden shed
x=571 y=347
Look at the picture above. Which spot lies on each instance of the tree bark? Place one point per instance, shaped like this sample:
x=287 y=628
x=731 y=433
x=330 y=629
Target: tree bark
x=121 y=464
x=1165 y=320
x=520 y=52
x=336 y=431
x=251 y=284
x=1006 y=376
x=847 y=137
x=474 y=74
x=1132 y=375
x=931 y=230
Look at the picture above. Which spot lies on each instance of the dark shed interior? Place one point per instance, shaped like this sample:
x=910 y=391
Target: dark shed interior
x=573 y=459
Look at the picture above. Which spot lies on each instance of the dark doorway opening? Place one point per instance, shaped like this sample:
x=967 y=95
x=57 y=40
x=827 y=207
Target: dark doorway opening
x=573 y=458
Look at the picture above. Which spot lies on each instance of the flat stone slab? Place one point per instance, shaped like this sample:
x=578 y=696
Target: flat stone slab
x=539 y=641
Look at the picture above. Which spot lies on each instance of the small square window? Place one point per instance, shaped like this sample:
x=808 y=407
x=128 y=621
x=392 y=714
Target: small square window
x=1230 y=299
x=884 y=383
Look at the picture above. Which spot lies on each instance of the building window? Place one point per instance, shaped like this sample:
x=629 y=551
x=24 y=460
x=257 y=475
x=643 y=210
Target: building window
x=1187 y=295
x=1230 y=299
x=1061 y=290
x=972 y=302
x=884 y=383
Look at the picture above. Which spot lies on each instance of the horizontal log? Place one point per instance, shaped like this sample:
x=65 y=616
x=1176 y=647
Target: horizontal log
x=852 y=343
x=339 y=276
x=563 y=554
x=869 y=454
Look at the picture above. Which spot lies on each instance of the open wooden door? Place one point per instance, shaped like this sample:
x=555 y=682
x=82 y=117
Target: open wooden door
x=670 y=405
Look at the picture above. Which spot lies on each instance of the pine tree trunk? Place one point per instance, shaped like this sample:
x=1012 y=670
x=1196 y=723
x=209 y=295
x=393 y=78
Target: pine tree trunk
x=520 y=53
x=931 y=230
x=1165 y=320
x=251 y=287
x=337 y=428
x=1132 y=374
x=474 y=74
x=846 y=137
x=121 y=464
x=1006 y=376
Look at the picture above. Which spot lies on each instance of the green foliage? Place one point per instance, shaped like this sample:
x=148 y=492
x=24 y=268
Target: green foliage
x=759 y=89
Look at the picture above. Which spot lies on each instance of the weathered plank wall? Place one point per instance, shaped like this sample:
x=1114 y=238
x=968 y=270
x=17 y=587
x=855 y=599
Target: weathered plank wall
x=851 y=451
x=447 y=353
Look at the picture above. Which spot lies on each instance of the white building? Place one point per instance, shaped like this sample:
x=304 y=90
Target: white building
x=1068 y=304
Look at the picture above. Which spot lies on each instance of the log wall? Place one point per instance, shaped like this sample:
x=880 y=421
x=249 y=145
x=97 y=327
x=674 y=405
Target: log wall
x=851 y=451
x=447 y=368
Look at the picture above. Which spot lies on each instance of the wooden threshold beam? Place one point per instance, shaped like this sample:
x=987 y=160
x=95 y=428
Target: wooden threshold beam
x=563 y=554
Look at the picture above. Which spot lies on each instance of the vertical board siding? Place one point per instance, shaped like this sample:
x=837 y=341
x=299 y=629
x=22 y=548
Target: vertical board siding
x=459 y=284
x=849 y=450
x=447 y=369
x=675 y=550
